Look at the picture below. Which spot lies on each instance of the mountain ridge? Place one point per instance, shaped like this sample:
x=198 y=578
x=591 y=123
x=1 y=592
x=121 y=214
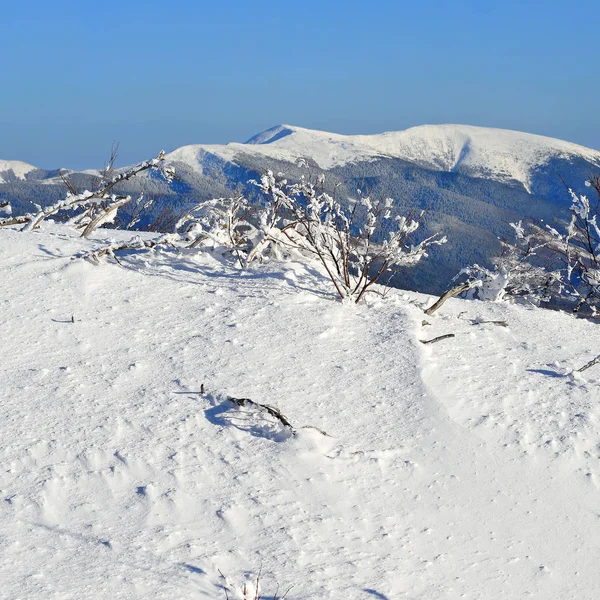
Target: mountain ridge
x=500 y=154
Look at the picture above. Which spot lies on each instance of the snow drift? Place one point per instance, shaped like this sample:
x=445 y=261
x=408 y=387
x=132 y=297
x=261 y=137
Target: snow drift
x=465 y=468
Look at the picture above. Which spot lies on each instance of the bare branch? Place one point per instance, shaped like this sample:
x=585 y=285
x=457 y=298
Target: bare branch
x=589 y=364
x=102 y=193
x=438 y=339
x=451 y=293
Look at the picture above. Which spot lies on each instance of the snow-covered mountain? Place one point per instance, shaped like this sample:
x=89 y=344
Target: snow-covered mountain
x=498 y=154
x=14 y=169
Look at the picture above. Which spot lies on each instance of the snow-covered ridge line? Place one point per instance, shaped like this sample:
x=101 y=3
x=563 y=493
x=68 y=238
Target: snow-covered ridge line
x=498 y=154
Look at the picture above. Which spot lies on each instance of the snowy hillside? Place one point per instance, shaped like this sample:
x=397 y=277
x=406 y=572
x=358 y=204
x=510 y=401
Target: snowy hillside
x=497 y=154
x=16 y=168
x=468 y=468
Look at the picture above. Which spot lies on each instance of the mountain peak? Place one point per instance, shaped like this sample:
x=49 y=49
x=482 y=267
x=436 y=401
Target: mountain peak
x=272 y=135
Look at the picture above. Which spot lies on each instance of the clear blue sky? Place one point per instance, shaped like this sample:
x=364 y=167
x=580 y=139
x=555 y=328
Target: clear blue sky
x=77 y=75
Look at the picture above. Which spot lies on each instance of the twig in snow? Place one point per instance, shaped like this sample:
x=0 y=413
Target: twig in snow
x=590 y=364
x=249 y=593
x=321 y=431
x=225 y=586
x=109 y=251
x=437 y=339
x=498 y=323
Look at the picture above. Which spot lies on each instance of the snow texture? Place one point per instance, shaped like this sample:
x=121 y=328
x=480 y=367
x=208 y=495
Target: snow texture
x=468 y=468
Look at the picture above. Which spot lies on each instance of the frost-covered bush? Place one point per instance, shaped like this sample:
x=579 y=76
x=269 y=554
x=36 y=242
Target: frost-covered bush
x=559 y=264
x=577 y=250
x=346 y=238
x=514 y=274
x=356 y=242
x=571 y=272
x=222 y=222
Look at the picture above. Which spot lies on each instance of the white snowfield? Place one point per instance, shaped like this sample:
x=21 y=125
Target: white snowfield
x=467 y=468
x=497 y=154
x=19 y=168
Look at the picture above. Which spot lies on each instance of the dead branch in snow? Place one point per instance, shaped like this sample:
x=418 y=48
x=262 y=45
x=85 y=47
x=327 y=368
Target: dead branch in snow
x=590 y=364
x=274 y=412
x=109 y=251
x=438 y=339
x=100 y=203
x=451 y=293
x=14 y=221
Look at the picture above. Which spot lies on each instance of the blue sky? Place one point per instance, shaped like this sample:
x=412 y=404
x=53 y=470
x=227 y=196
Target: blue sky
x=77 y=76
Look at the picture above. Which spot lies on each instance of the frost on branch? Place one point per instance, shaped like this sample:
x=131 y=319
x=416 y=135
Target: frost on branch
x=546 y=263
x=347 y=239
x=100 y=205
x=519 y=271
x=222 y=222
x=573 y=253
x=135 y=243
x=578 y=250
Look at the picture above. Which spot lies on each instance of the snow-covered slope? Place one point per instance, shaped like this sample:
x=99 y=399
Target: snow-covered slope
x=497 y=154
x=466 y=468
x=18 y=168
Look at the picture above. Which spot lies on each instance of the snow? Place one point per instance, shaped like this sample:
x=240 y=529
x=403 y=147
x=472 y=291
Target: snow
x=498 y=154
x=20 y=169
x=464 y=468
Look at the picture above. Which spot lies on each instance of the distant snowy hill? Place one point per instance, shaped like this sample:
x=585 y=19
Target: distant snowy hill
x=472 y=181
x=14 y=169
